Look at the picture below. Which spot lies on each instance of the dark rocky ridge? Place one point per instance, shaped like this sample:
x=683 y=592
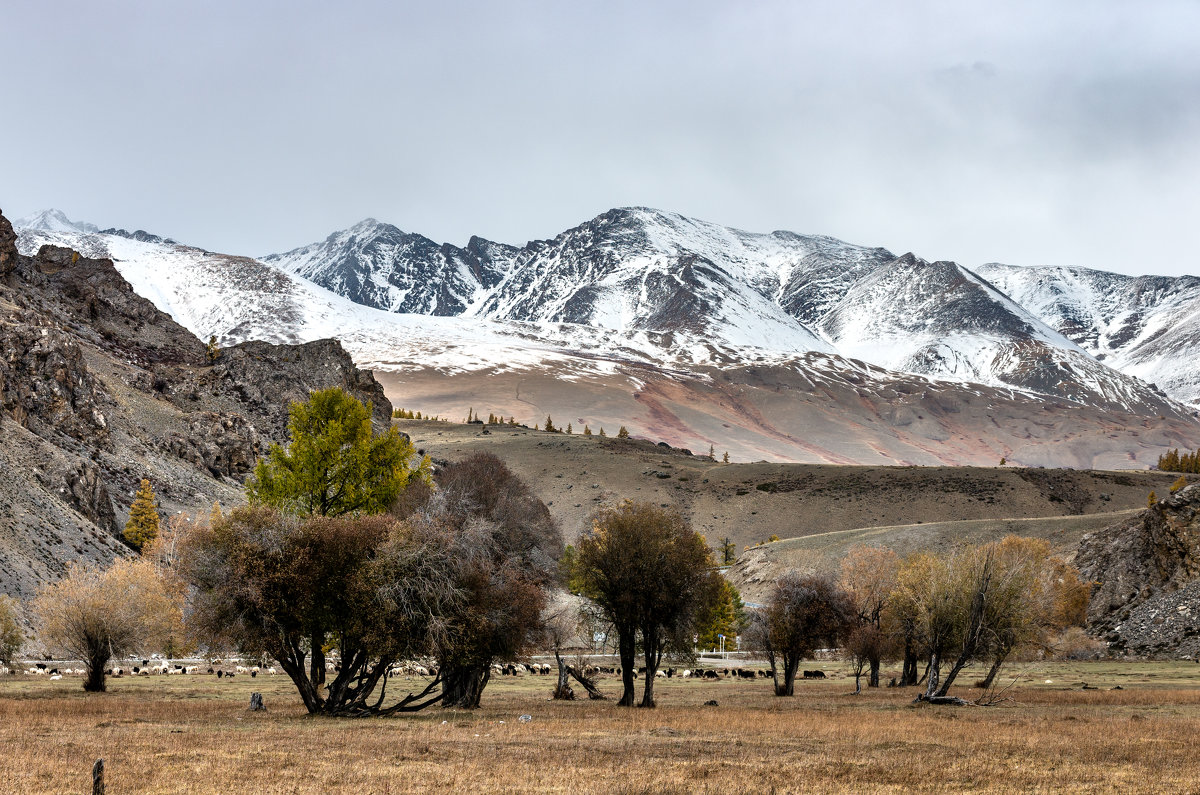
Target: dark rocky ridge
x=1147 y=574
x=99 y=388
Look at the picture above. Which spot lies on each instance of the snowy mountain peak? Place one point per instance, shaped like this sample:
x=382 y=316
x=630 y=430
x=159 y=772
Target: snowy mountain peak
x=53 y=220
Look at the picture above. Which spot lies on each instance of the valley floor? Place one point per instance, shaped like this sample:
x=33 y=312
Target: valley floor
x=193 y=734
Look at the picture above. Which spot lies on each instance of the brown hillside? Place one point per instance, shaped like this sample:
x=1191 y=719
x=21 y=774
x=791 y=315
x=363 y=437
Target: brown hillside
x=750 y=502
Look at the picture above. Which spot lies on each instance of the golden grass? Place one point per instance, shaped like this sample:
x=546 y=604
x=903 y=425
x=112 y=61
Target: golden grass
x=194 y=735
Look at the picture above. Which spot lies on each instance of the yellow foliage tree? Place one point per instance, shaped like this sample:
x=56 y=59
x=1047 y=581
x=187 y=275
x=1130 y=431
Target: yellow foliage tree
x=11 y=636
x=143 y=524
x=96 y=614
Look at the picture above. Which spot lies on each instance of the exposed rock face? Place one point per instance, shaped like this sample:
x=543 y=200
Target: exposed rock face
x=1147 y=570
x=224 y=444
x=8 y=247
x=265 y=375
x=99 y=389
x=45 y=384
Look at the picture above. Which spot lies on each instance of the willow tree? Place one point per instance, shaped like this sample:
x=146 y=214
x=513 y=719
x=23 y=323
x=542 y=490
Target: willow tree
x=374 y=588
x=334 y=463
x=801 y=614
x=506 y=550
x=652 y=577
x=95 y=614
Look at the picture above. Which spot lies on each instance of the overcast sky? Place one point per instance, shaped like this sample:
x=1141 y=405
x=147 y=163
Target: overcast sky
x=1058 y=133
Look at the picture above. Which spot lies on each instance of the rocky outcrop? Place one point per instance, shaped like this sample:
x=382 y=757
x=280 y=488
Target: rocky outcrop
x=1147 y=573
x=45 y=384
x=266 y=376
x=8 y=247
x=99 y=389
x=225 y=445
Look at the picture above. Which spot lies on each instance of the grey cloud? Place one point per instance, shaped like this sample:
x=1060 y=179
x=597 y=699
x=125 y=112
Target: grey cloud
x=1022 y=132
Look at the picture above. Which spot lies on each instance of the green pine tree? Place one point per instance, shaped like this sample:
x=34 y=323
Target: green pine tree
x=602 y=433
x=550 y=425
x=587 y=431
x=334 y=463
x=623 y=433
x=142 y=527
x=569 y=430
x=725 y=458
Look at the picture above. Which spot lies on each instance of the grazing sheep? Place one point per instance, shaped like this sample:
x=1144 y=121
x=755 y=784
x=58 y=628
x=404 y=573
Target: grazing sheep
x=55 y=677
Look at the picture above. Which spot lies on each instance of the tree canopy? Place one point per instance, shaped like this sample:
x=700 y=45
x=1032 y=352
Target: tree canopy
x=294 y=588
x=96 y=614
x=651 y=576
x=11 y=636
x=143 y=524
x=334 y=463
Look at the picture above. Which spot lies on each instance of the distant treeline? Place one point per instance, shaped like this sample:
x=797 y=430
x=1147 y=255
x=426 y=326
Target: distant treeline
x=1175 y=461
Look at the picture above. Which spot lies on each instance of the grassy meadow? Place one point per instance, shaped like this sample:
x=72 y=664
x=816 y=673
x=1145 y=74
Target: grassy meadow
x=193 y=734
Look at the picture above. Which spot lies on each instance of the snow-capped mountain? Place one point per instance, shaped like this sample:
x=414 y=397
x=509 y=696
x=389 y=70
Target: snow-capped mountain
x=1147 y=326
x=704 y=289
x=378 y=265
x=777 y=345
x=54 y=221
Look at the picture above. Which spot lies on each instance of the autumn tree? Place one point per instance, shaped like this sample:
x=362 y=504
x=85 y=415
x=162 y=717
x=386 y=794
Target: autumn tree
x=334 y=463
x=295 y=589
x=1036 y=595
x=868 y=576
x=11 y=636
x=95 y=614
x=726 y=615
x=801 y=614
x=143 y=524
x=651 y=577
x=507 y=548
x=728 y=551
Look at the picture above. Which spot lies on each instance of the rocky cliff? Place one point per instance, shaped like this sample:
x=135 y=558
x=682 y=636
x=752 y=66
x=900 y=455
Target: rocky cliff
x=1147 y=573
x=99 y=388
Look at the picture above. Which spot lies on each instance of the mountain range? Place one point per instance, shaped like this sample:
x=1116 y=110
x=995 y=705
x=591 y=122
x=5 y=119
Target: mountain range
x=779 y=346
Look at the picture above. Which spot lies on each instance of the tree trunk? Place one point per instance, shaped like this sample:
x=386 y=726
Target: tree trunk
x=463 y=686
x=563 y=691
x=628 y=660
x=790 y=666
x=857 y=679
x=589 y=685
x=949 y=678
x=908 y=677
x=995 y=669
x=874 y=679
x=94 y=683
x=653 y=649
x=935 y=673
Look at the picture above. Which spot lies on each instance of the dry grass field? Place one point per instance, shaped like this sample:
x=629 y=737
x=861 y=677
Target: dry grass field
x=193 y=734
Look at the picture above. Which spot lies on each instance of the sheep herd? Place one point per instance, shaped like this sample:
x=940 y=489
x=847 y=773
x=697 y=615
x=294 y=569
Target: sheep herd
x=223 y=669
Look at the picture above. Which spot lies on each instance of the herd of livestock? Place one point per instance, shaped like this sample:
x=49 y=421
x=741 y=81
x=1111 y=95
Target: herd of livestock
x=224 y=669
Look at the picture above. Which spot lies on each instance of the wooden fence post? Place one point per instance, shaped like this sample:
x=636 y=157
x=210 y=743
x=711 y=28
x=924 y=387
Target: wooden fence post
x=98 y=777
